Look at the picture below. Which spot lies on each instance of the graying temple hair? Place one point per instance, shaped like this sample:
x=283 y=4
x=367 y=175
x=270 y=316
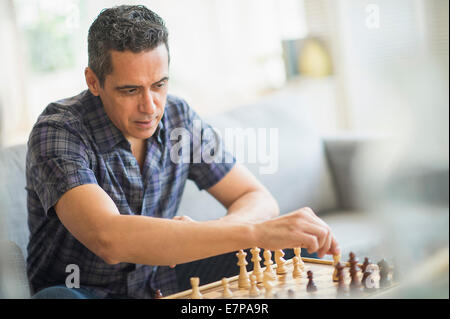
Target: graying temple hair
x=122 y=28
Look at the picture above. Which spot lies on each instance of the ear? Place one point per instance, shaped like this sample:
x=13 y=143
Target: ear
x=92 y=81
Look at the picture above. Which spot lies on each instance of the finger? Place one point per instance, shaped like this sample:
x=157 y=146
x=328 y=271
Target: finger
x=326 y=247
x=334 y=249
x=309 y=242
x=318 y=231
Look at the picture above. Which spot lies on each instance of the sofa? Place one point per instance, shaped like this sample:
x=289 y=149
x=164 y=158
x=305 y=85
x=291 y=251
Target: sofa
x=312 y=170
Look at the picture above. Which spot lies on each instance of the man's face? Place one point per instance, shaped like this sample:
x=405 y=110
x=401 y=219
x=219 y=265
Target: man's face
x=134 y=94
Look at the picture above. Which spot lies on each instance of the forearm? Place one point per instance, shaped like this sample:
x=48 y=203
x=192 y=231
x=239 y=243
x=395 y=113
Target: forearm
x=253 y=207
x=158 y=241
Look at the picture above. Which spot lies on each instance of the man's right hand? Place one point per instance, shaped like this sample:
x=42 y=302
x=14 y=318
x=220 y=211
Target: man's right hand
x=300 y=228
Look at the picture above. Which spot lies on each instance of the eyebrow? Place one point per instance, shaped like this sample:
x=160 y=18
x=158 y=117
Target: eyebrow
x=130 y=86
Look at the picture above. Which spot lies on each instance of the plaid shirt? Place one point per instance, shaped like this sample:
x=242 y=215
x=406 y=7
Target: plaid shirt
x=74 y=143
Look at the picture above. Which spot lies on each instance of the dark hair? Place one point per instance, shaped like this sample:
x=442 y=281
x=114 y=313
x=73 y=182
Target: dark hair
x=121 y=28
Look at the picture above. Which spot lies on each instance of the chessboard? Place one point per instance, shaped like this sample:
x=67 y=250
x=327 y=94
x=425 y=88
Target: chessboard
x=285 y=286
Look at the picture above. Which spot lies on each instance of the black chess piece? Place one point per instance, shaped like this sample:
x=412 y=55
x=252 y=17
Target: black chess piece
x=365 y=264
x=355 y=284
x=291 y=293
x=341 y=288
x=385 y=270
x=311 y=286
x=157 y=294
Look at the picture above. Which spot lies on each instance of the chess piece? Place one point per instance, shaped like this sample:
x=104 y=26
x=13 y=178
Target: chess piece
x=341 y=288
x=297 y=252
x=336 y=259
x=385 y=270
x=268 y=284
x=254 y=291
x=370 y=279
x=281 y=269
x=365 y=264
x=297 y=272
x=243 y=280
x=196 y=294
x=257 y=271
x=355 y=284
x=226 y=289
x=157 y=294
x=311 y=286
x=291 y=293
x=268 y=263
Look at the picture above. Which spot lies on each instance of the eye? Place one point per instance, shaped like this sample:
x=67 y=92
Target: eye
x=161 y=84
x=130 y=91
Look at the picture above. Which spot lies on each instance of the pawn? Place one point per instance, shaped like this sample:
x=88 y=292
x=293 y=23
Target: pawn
x=385 y=271
x=297 y=252
x=268 y=284
x=355 y=284
x=157 y=294
x=196 y=294
x=268 y=263
x=226 y=288
x=311 y=286
x=336 y=259
x=297 y=272
x=291 y=293
x=281 y=269
x=365 y=264
x=341 y=288
x=254 y=291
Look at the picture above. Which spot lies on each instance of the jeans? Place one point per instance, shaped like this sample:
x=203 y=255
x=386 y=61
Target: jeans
x=62 y=292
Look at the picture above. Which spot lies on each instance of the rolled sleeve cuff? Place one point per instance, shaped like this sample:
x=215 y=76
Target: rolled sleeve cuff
x=52 y=192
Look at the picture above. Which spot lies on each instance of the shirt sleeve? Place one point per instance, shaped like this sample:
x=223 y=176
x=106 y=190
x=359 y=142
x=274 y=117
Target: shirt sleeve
x=57 y=161
x=210 y=160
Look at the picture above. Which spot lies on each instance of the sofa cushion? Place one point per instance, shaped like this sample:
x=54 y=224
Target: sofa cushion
x=302 y=177
x=13 y=196
x=13 y=276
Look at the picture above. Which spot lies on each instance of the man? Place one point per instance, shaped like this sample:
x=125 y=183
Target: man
x=103 y=189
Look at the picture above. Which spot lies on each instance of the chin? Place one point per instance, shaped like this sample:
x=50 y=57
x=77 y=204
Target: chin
x=143 y=135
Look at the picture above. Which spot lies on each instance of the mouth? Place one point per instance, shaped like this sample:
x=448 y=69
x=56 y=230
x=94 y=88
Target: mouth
x=147 y=124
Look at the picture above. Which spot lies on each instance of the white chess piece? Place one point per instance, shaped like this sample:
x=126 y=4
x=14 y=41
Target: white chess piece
x=257 y=271
x=243 y=280
x=297 y=272
x=297 y=252
x=268 y=284
x=281 y=269
x=268 y=263
x=254 y=291
x=227 y=293
x=196 y=294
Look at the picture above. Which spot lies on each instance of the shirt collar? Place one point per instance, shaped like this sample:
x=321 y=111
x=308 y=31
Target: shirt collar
x=105 y=133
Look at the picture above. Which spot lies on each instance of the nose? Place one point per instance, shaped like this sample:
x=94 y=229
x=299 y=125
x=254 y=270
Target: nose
x=147 y=104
